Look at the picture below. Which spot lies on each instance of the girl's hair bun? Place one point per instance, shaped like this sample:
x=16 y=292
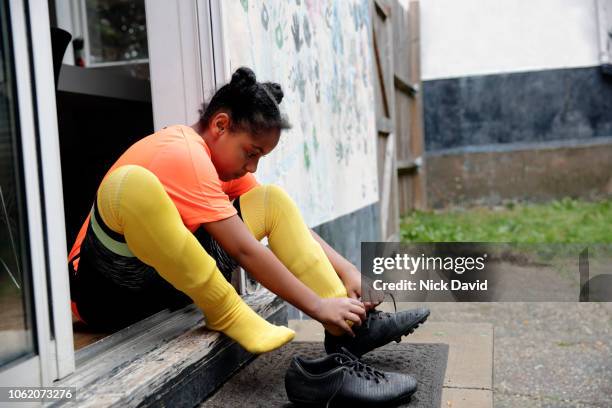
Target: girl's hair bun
x=275 y=90
x=243 y=77
x=252 y=106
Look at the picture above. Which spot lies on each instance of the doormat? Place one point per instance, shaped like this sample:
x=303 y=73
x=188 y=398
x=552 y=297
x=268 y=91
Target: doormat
x=262 y=382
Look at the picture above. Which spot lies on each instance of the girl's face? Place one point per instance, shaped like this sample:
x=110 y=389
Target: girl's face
x=235 y=154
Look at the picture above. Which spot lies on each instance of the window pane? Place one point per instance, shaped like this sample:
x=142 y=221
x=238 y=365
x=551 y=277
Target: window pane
x=117 y=30
x=15 y=318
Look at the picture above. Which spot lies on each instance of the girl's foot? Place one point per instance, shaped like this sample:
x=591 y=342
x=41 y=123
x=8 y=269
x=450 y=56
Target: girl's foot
x=252 y=331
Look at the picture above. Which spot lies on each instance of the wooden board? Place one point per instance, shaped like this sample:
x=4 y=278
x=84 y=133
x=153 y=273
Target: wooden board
x=176 y=363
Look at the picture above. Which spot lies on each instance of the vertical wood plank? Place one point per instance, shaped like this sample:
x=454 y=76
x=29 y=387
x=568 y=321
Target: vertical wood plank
x=417 y=142
x=403 y=101
x=382 y=30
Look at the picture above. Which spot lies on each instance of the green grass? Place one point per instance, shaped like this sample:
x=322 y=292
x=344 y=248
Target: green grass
x=562 y=221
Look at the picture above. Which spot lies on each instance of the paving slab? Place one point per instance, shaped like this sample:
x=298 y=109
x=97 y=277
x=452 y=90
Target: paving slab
x=307 y=330
x=466 y=398
x=545 y=354
x=470 y=359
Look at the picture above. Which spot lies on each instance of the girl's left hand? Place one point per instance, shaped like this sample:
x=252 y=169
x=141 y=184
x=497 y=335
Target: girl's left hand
x=351 y=278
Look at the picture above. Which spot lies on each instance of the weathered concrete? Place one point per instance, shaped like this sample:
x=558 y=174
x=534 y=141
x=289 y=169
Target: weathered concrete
x=546 y=354
x=470 y=359
x=466 y=398
x=527 y=173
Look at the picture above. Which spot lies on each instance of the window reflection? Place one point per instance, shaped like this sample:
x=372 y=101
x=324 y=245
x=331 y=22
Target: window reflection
x=117 y=31
x=15 y=319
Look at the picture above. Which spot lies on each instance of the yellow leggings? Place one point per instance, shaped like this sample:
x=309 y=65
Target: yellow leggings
x=133 y=202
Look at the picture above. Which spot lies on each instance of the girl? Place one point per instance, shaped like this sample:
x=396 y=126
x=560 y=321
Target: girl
x=163 y=228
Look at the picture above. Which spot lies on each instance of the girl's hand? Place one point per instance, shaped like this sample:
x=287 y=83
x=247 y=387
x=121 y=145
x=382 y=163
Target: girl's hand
x=352 y=282
x=336 y=311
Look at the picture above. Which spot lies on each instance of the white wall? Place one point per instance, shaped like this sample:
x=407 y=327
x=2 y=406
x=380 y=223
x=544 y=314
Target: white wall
x=476 y=37
x=327 y=161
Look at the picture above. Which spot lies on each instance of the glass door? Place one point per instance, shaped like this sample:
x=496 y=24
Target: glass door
x=16 y=336
x=25 y=336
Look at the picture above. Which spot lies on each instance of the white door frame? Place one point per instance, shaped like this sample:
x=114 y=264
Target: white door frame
x=185 y=57
x=53 y=199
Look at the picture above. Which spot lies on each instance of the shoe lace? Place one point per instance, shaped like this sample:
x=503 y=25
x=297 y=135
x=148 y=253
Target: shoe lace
x=359 y=368
x=355 y=367
x=378 y=314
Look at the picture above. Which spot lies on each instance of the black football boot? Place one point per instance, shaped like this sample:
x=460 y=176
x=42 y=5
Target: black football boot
x=378 y=329
x=340 y=380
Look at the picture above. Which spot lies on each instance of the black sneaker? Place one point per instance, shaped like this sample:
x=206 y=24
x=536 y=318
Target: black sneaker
x=378 y=329
x=340 y=379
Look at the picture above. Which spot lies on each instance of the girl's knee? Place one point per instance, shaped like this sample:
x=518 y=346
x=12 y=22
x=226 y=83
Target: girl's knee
x=265 y=207
x=119 y=175
x=131 y=190
x=278 y=197
x=269 y=196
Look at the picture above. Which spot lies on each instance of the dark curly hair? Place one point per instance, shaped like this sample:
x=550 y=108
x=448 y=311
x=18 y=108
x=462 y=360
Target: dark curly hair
x=252 y=106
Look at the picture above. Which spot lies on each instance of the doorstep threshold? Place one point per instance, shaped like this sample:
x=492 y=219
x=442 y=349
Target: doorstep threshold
x=165 y=324
x=169 y=359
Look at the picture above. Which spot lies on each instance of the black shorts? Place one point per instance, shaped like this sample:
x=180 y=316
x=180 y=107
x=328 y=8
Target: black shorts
x=112 y=291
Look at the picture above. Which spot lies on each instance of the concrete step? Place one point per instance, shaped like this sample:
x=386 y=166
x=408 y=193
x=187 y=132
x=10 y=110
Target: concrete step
x=177 y=363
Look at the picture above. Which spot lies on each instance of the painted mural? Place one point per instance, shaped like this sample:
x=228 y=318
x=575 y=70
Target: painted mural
x=320 y=52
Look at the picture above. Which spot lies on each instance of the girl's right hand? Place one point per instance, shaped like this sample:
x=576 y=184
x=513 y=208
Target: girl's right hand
x=336 y=311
